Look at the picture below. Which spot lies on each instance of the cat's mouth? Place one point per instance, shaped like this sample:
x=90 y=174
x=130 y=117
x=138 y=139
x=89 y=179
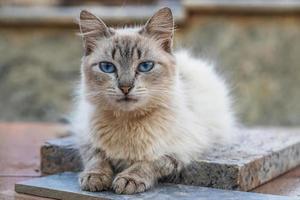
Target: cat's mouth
x=127 y=99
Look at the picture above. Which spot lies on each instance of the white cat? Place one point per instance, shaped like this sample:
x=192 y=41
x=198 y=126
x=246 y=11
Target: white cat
x=144 y=112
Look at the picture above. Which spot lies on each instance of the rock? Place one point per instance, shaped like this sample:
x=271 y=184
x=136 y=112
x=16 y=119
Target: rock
x=65 y=186
x=257 y=156
x=60 y=155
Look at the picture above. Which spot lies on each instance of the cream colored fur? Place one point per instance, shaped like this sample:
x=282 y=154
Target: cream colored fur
x=198 y=115
x=136 y=127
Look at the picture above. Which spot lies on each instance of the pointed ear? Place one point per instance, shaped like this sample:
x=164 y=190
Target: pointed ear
x=91 y=29
x=161 y=27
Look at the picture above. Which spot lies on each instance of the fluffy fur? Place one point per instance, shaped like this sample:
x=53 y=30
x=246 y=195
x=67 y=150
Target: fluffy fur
x=179 y=108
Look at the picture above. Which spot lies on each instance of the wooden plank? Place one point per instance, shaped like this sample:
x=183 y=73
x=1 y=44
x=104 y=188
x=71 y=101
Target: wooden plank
x=19 y=147
x=19 y=154
x=287 y=184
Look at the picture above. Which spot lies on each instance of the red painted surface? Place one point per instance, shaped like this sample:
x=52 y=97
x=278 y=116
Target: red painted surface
x=19 y=153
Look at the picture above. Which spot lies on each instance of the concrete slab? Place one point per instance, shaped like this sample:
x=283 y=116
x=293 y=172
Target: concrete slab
x=261 y=5
x=66 y=15
x=65 y=186
x=258 y=156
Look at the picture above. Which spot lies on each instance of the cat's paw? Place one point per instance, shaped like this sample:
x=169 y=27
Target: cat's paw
x=126 y=184
x=91 y=181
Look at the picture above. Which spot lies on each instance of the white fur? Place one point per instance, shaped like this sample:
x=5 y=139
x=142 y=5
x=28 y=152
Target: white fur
x=206 y=111
x=201 y=108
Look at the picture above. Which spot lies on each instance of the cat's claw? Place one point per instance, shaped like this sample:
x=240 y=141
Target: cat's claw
x=128 y=185
x=94 y=181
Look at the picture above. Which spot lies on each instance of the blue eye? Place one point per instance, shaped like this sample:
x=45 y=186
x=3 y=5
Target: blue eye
x=107 y=67
x=145 y=66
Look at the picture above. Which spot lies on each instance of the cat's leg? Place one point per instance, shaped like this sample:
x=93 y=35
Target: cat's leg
x=144 y=174
x=97 y=174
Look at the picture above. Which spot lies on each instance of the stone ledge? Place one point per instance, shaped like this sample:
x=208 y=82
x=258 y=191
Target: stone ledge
x=65 y=186
x=67 y=15
x=258 y=156
x=249 y=6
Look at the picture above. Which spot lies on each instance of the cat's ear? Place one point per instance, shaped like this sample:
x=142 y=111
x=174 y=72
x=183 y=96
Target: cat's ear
x=92 y=29
x=161 y=27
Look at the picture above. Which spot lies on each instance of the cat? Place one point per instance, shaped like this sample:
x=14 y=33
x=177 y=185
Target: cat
x=144 y=112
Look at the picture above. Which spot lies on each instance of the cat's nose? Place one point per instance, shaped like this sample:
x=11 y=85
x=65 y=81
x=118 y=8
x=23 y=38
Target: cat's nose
x=125 y=89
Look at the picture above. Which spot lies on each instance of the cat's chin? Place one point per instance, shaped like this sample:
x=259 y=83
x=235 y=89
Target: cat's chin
x=127 y=104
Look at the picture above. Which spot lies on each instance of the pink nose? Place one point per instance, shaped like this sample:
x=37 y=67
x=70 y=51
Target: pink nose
x=125 y=89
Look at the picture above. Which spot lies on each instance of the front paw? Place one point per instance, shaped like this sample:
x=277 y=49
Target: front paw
x=92 y=181
x=130 y=184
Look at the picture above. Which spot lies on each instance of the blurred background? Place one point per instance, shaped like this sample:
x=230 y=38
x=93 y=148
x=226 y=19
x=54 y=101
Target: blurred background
x=254 y=43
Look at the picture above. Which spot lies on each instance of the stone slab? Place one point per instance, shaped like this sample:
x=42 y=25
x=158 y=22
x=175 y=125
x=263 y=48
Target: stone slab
x=62 y=15
x=243 y=5
x=257 y=156
x=65 y=186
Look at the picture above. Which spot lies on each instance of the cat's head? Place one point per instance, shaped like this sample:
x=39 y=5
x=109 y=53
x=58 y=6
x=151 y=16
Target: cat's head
x=130 y=68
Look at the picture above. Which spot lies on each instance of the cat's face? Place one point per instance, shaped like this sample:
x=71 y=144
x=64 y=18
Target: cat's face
x=130 y=68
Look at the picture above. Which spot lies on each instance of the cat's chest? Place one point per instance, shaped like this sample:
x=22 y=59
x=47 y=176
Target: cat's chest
x=130 y=141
